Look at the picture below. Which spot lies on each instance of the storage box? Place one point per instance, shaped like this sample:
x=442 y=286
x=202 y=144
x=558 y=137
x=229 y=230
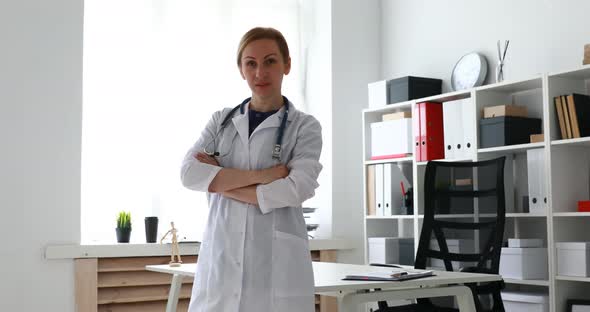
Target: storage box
x=507 y=130
x=395 y=250
x=524 y=263
x=536 y=138
x=395 y=116
x=525 y=242
x=573 y=258
x=378 y=93
x=505 y=110
x=584 y=206
x=391 y=139
x=410 y=88
x=464 y=246
x=525 y=301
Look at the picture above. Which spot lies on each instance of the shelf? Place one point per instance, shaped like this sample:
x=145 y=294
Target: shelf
x=459 y=216
x=585 y=141
x=513 y=86
x=451 y=96
x=390 y=108
x=517 y=148
x=390 y=160
x=578 y=73
x=573 y=278
x=424 y=163
x=525 y=215
x=526 y=282
x=390 y=217
x=571 y=214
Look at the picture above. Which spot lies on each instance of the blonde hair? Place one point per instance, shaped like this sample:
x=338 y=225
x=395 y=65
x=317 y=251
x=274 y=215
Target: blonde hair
x=258 y=33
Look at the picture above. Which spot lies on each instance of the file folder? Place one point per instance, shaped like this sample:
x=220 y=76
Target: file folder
x=371 y=204
x=431 y=131
x=379 y=189
x=536 y=180
x=468 y=126
x=459 y=129
x=387 y=191
x=417 y=140
x=450 y=124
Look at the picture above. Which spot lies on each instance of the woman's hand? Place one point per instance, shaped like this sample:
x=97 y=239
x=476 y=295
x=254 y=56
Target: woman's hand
x=273 y=173
x=206 y=159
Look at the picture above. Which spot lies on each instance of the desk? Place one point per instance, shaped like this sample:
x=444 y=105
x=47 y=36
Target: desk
x=328 y=281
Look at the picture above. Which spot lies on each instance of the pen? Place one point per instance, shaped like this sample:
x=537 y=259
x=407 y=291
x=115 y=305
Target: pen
x=399 y=274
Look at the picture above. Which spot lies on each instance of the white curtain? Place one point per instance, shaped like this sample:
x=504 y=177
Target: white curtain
x=154 y=72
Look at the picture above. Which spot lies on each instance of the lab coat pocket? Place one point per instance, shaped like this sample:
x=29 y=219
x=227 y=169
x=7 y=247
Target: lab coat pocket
x=292 y=271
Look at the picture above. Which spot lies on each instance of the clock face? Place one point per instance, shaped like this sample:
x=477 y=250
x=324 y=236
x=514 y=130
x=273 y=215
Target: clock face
x=470 y=71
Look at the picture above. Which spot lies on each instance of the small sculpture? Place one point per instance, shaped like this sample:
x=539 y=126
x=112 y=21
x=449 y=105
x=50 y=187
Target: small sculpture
x=501 y=58
x=175 y=250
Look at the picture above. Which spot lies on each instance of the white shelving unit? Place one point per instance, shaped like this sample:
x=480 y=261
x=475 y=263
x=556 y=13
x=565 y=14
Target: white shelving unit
x=567 y=175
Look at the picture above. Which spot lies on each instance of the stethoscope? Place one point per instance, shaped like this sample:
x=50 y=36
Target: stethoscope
x=276 y=151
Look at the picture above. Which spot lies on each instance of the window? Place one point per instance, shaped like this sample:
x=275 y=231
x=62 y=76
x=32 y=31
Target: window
x=154 y=72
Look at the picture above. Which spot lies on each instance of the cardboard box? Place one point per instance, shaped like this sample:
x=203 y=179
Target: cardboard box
x=525 y=242
x=395 y=116
x=391 y=139
x=525 y=301
x=573 y=258
x=584 y=206
x=524 y=263
x=535 y=138
x=411 y=88
x=505 y=110
x=507 y=130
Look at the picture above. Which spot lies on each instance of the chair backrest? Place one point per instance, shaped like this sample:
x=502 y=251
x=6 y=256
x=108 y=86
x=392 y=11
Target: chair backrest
x=464 y=216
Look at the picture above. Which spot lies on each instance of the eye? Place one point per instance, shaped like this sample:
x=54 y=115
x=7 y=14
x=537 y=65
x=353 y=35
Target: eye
x=251 y=64
x=270 y=61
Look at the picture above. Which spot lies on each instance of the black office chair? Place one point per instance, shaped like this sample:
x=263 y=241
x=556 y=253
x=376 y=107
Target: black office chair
x=474 y=190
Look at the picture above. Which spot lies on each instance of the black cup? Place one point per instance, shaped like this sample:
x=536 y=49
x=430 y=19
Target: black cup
x=151 y=229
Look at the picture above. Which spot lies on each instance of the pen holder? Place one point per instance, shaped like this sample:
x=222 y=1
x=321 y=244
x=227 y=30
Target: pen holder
x=408 y=202
x=151 y=229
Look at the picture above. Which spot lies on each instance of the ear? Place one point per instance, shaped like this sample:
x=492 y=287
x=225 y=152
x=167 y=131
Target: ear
x=288 y=66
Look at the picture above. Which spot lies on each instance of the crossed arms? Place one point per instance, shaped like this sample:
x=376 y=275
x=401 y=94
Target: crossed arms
x=241 y=184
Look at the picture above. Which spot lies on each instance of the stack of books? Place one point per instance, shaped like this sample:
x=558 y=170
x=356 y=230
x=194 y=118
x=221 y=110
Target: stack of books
x=573 y=115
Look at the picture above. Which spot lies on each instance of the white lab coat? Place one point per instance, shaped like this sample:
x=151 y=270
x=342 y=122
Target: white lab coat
x=256 y=259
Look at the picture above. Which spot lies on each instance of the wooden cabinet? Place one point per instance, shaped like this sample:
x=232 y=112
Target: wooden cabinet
x=123 y=284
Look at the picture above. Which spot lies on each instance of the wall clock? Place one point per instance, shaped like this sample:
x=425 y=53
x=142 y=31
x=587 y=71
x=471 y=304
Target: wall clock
x=470 y=71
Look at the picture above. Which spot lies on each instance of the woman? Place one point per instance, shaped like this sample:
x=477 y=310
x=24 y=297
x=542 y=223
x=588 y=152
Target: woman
x=257 y=162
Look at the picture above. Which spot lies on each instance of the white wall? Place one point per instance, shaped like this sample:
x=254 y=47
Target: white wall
x=40 y=124
x=427 y=37
x=355 y=62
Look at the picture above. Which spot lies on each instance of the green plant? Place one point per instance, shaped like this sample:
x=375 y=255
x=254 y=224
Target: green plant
x=124 y=220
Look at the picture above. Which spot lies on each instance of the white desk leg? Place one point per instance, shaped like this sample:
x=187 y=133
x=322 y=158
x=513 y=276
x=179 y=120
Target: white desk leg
x=174 y=293
x=350 y=302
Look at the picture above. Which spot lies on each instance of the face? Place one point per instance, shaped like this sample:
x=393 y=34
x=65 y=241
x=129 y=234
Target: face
x=263 y=67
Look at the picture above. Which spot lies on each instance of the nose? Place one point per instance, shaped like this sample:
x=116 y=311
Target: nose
x=261 y=72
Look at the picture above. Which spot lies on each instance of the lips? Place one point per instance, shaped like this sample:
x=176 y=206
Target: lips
x=262 y=85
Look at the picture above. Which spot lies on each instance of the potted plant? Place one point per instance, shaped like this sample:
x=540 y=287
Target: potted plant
x=123 y=227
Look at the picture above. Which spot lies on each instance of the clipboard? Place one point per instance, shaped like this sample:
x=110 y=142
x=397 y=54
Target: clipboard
x=393 y=275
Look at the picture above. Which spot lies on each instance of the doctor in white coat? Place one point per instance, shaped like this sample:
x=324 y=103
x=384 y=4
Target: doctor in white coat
x=255 y=254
